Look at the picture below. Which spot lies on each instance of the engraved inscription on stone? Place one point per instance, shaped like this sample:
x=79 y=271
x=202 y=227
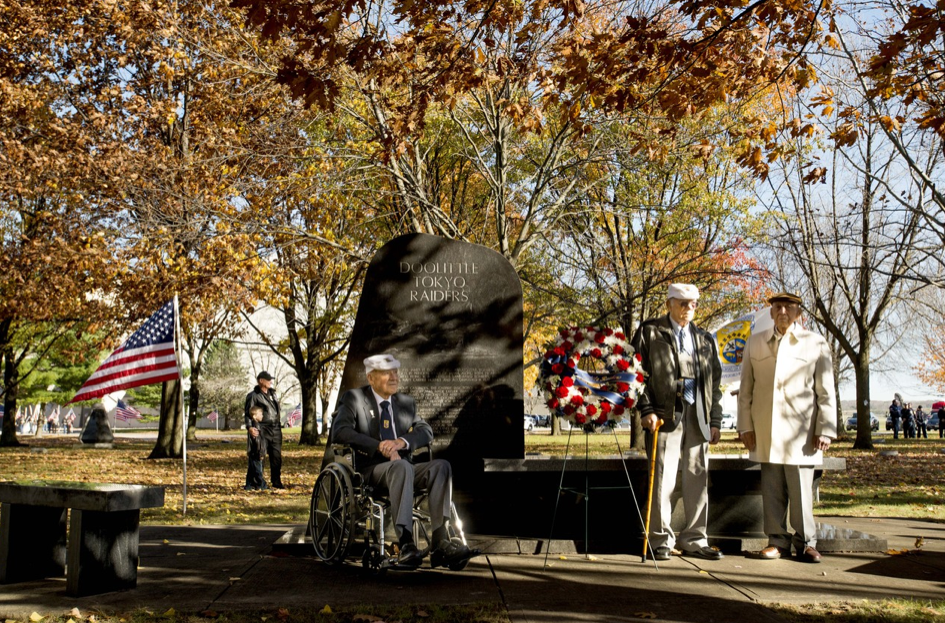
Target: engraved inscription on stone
x=452 y=313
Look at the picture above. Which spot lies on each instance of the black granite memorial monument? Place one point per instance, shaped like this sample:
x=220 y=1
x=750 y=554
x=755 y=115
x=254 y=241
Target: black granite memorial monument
x=451 y=312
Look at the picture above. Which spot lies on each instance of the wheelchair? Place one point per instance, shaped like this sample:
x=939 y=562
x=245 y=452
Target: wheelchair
x=347 y=515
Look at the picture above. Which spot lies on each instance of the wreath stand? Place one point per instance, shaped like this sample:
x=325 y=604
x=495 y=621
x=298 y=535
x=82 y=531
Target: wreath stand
x=587 y=491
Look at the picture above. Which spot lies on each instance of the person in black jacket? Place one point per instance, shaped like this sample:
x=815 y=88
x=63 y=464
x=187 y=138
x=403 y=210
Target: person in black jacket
x=683 y=391
x=908 y=421
x=941 y=422
x=264 y=396
x=895 y=414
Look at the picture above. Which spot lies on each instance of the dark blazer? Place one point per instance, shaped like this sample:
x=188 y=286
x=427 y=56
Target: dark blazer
x=656 y=343
x=357 y=423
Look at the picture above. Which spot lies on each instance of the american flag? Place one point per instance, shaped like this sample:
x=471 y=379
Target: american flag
x=295 y=416
x=212 y=416
x=70 y=417
x=146 y=357
x=125 y=412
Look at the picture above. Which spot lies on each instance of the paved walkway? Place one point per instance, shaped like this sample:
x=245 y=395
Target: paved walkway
x=225 y=568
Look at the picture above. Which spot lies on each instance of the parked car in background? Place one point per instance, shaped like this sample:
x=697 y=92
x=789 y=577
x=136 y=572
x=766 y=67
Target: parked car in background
x=874 y=422
x=729 y=421
x=529 y=422
x=541 y=420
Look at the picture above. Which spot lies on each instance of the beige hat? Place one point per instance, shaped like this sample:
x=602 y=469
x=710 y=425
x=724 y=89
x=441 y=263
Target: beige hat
x=380 y=362
x=684 y=291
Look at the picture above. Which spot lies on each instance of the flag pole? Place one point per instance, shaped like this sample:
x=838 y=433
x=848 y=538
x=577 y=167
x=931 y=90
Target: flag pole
x=180 y=386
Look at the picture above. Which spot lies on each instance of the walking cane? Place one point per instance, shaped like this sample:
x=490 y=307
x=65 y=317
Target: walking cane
x=649 y=499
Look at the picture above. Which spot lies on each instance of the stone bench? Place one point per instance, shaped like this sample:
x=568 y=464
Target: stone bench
x=101 y=553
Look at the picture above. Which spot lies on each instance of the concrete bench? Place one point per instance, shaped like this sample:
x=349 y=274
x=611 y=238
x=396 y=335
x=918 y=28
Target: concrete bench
x=101 y=554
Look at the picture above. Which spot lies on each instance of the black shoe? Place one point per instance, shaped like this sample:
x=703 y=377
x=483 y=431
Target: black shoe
x=452 y=554
x=278 y=486
x=662 y=553
x=705 y=553
x=409 y=556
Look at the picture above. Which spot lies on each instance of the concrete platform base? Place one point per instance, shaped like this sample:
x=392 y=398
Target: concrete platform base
x=830 y=538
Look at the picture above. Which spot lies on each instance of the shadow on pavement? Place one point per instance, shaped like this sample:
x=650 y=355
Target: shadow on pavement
x=925 y=566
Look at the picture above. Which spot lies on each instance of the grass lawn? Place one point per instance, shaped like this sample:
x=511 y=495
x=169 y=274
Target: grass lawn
x=908 y=485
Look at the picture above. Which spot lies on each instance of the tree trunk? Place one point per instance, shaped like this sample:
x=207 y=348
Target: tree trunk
x=325 y=415
x=637 y=438
x=861 y=369
x=310 y=434
x=10 y=373
x=170 y=441
x=194 y=403
x=841 y=431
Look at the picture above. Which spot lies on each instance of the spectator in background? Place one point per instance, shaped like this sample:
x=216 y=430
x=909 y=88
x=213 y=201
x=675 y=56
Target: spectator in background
x=895 y=414
x=264 y=396
x=908 y=421
x=255 y=452
x=941 y=422
x=921 y=423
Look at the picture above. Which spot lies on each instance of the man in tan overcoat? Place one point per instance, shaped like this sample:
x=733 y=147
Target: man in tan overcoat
x=787 y=418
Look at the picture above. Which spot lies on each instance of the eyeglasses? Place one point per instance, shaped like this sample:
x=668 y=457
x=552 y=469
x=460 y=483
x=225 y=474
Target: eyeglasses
x=684 y=303
x=784 y=305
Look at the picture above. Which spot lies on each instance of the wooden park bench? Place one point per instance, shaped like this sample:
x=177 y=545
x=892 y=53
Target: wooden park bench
x=101 y=553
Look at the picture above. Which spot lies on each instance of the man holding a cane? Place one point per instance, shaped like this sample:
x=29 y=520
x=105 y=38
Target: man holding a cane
x=682 y=401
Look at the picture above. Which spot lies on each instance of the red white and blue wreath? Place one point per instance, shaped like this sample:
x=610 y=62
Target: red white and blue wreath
x=584 y=397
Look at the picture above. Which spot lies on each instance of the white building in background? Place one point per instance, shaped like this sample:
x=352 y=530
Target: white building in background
x=256 y=356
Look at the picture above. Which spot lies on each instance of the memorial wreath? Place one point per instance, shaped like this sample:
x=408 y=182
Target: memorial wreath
x=591 y=397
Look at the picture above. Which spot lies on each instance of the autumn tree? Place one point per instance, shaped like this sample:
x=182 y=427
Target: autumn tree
x=195 y=88
x=54 y=178
x=674 y=59
x=223 y=383
x=853 y=249
x=894 y=51
x=314 y=249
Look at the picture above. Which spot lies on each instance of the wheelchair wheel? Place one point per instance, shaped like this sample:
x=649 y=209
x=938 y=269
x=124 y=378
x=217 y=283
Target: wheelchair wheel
x=331 y=520
x=371 y=560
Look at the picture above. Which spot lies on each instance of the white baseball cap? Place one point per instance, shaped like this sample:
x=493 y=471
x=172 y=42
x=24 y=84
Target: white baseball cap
x=380 y=362
x=684 y=291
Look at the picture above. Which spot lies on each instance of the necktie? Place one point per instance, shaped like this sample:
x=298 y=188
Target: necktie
x=689 y=385
x=387 y=426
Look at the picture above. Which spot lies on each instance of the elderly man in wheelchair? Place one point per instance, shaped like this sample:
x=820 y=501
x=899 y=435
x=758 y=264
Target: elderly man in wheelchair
x=378 y=431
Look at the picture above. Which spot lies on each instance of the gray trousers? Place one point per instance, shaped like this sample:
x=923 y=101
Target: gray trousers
x=681 y=454
x=400 y=478
x=781 y=486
